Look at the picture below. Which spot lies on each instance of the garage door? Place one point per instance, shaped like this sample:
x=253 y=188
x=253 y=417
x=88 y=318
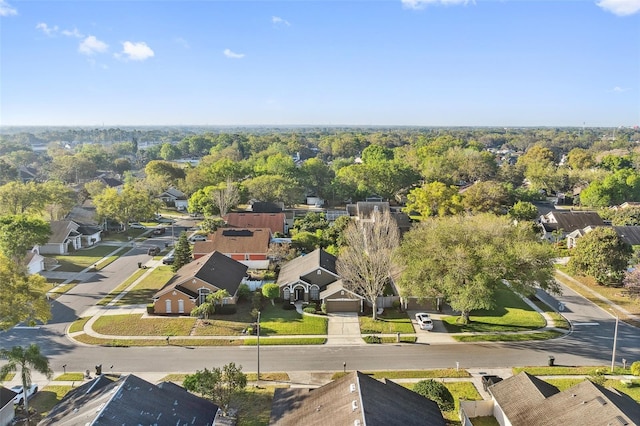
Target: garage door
x=343 y=306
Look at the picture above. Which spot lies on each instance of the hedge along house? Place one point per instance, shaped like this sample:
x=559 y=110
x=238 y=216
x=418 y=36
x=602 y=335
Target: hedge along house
x=196 y=280
x=313 y=278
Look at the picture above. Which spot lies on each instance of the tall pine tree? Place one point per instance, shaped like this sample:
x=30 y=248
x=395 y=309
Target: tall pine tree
x=182 y=252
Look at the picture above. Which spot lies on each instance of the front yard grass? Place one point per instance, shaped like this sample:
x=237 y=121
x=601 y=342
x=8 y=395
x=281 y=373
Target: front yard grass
x=515 y=337
x=135 y=325
x=272 y=341
x=510 y=314
x=69 y=377
x=82 y=259
x=570 y=371
x=58 y=290
x=460 y=390
x=43 y=401
x=275 y=320
x=116 y=291
x=391 y=321
x=253 y=405
x=144 y=291
x=78 y=325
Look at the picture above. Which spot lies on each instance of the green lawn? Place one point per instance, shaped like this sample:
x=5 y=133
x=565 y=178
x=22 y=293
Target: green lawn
x=516 y=337
x=144 y=291
x=275 y=320
x=459 y=390
x=116 y=291
x=46 y=399
x=82 y=259
x=391 y=321
x=569 y=371
x=135 y=325
x=510 y=314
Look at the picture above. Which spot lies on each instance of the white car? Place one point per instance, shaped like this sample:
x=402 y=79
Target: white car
x=136 y=225
x=424 y=321
x=19 y=398
x=197 y=237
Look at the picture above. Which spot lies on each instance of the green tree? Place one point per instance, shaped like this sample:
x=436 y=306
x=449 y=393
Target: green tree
x=209 y=306
x=580 y=159
x=365 y=262
x=274 y=188
x=128 y=205
x=437 y=392
x=60 y=199
x=486 y=197
x=310 y=222
x=271 y=291
x=465 y=258
x=18 y=198
x=182 y=253
x=19 y=233
x=316 y=177
x=22 y=361
x=22 y=296
x=523 y=210
x=218 y=384
x=169 y=152
x=603 y=255
x=434 y=199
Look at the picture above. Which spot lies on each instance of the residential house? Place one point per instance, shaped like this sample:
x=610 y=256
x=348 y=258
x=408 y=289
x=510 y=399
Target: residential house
x=265 y=207
x=313 y=278
x=354 y=400
x=173 y=197
x=628 y=234
x=275 y=222
x=362 y=210
x=7 y=410
x=196 y=280
x=27 y=174
x=34 y=261
x=557 y=224
x=130 y=400
x=67 y=235
x=111 y=182
x=249 y=246
x=526 y=400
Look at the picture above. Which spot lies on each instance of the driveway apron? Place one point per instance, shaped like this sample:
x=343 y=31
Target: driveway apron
x=344 y=329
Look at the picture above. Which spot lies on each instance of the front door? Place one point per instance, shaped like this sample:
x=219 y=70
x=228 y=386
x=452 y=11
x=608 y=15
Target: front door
x=299 y=294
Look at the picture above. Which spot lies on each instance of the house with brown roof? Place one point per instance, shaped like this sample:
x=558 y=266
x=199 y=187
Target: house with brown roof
x=67 y=235
x=557 y=224
x=313 y=278
x=249 y=246
x=526 y=400
x=275 y=222
x=190 y=286
x=130 y=400
x=352 y=400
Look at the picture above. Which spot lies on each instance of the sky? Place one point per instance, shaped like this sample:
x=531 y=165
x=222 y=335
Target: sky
x=505 y=63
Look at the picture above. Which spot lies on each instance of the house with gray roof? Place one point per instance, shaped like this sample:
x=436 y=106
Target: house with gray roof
x=355 y=399
x=130 y=400
x=526 y=400
x=557 y=224
x=313 y=278
x=190 y=286
x=67 y=235
x=173 y=197
x=7 y=409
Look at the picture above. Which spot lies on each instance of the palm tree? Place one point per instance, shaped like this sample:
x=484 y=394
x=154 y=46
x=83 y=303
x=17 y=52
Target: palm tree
x=25 y=360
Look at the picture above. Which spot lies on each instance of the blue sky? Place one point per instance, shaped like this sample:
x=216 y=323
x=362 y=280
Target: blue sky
x=333 y=62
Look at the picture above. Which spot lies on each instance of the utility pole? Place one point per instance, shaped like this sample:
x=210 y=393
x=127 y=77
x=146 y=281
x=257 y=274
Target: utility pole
x=615 y=339
x=258 y=325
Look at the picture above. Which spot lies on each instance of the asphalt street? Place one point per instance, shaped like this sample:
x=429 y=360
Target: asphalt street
x=590 y=342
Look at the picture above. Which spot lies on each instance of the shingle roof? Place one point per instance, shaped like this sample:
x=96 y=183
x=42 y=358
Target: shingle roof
x=130 y=400
x=111 y=182
x=241 y=240
x=173 y=193
x=61 y=229
x=301 y=265
x=352 y=398
x=527 y=400
x=272 y=221
x=6 y=396
x=265 y=207
x=215 y=268
x=629 y=234
x=337 y=286
x=569 y=221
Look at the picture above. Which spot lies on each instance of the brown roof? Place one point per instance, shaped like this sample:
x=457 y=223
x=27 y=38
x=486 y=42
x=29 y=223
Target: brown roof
x=354 y=399
x=273 y=221
x=527 y=400
x=215 y=268
x=241 y=240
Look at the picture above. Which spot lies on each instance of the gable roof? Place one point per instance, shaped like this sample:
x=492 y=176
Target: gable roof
x=272 y=221
x=111 y=182
x=130 y=400
x=354 y=399
x=301 y=265
x=215 y=268
x=266 y=207
x=61 y=230
x=173 y=193
x=527 y=400
x=6 y=396
x=569 y=220
x=335 y=287
x=241 y=240
x=629 y=234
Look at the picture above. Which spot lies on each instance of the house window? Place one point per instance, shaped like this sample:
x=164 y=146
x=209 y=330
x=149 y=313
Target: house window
x=286 y=293
x=167 y=306
x=314 y=293
x=181 y=306
x=247 y=257
x=202 y=295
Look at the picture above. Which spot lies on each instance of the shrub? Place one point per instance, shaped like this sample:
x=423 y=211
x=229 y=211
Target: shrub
x=396 y=305
x=269 y=275
x=256 y=300
x=323 y=308
x=226 y=309
x=437 y=392
x=151 y=308
x=372 y=339
x=244 y=292
x=288 y=306
x=310 y=309
x=635 y=368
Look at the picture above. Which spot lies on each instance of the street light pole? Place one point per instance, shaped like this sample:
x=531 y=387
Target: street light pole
x=615 y=340
x=258 y=345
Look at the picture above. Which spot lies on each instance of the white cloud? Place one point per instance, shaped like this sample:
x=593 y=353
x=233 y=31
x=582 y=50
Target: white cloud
x=229 y=54
x=46 y=28
x=138 y=51
x=6 y=9
x=184 y=43
x=421 y=4
x=620 y=7
x=618 y=89
x=91 y=45
x=276 y=20
x=72 y=33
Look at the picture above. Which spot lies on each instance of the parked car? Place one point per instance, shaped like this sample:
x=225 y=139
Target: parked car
x=19 y=398
x=159 y=231
x=136 y=225
x=489 y=380
x=197 y=237
x=153 y=251
x=424 y=321
x=168 y=259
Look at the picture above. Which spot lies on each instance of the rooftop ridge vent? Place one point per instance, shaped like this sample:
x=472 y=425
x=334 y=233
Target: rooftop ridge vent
x=352 y=387
x=354 y=405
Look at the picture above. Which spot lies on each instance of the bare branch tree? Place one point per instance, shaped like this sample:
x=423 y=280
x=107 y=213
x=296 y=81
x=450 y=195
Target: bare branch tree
x=225 y=197
x=365 y=262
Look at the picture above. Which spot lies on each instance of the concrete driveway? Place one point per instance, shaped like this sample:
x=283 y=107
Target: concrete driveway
x=344 y=329
x=439 y=334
